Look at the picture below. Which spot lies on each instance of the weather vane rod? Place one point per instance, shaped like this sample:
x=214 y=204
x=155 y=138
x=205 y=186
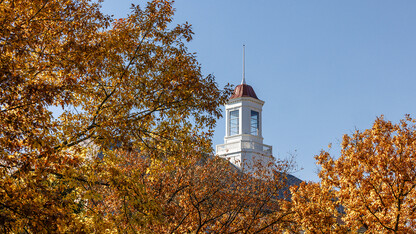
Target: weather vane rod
x=244 y=61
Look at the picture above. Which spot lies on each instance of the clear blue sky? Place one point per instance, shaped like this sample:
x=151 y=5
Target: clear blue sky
x=324 y=68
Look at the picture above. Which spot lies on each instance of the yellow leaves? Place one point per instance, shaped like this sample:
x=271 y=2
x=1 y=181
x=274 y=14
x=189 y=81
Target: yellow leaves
x=373 y=179
x=316 y=209
x=137 y=116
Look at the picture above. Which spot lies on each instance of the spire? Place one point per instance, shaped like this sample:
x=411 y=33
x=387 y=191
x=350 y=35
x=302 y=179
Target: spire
x=243 y=89
x=244 y=71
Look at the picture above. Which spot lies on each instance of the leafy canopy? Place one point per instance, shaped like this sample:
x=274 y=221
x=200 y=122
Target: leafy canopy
x=125 y=83
x=371 y=186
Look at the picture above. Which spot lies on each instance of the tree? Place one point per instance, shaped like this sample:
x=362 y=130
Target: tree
x=196 y=196
x=316 y=209
x=131 y=150
x=374 y=179
x=126 y=83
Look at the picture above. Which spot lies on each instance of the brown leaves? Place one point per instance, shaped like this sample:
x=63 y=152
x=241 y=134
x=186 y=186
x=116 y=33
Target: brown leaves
x=193 y=196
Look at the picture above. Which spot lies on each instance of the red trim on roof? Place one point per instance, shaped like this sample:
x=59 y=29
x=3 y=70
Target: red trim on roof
x=243 y=90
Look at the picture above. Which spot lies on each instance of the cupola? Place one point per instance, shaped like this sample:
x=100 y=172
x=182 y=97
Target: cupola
x=243 y=90
x=243 y=141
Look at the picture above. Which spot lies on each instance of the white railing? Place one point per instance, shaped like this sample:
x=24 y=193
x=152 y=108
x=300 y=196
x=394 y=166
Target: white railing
x=243 y=145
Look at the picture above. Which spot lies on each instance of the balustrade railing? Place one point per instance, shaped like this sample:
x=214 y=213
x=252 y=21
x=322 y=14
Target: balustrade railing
x=243 y=145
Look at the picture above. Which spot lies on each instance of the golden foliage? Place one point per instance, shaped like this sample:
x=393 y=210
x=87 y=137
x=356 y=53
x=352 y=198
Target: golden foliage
x=316 y=209
x=196 y=196
x=374 y=181
x=129 y=151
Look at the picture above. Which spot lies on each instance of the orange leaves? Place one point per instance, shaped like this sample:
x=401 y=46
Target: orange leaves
x=133 y=86
x=373 y=179
x=130 y=151
x=317 y=209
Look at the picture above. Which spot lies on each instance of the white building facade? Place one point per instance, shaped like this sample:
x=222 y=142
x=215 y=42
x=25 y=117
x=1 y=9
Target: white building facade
x=243 y=142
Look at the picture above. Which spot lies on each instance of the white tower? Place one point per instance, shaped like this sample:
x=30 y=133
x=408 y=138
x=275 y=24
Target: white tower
x=243 y=142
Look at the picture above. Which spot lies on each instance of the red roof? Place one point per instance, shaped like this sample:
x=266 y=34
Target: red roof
x=243 y=90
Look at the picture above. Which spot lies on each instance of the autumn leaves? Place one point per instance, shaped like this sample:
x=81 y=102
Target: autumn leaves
x=371 y=186
x=126 y=87
x=131 y=151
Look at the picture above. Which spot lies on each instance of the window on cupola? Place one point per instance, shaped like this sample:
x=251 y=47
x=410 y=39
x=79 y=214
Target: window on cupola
x=254 y=123
x=234 y=122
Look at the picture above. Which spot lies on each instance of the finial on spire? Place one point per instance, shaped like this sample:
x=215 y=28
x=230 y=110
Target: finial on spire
x=244 y=71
